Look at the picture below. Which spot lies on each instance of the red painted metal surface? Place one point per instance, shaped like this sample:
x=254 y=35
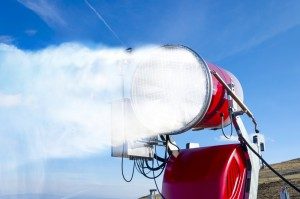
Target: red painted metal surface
x=217 y=172
x=219 y=104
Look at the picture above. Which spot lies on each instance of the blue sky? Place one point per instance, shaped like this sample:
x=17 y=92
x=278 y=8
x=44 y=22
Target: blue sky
x=257 y=41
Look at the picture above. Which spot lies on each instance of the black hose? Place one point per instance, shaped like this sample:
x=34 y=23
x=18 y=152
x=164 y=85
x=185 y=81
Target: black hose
x=154 y=178
x=242 y=139
x=122 y=168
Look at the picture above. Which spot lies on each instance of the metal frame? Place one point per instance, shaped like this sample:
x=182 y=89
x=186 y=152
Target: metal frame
x=253 y=163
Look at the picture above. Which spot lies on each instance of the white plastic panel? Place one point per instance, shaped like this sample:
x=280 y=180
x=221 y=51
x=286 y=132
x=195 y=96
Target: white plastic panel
x=128 y=136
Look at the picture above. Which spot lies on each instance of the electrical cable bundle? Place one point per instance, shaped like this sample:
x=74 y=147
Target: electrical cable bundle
x=147 y=167
x=143 y=167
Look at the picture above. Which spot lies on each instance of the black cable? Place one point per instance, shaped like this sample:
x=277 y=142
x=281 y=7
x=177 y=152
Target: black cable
x=158 y=158
x=242 y=139
x=137 y=166
x=145 y=162
x=122 y=168
x=155 y=168
x=144 y=173
x=175 y=145
x=222 y=126
x=169 y=140
x=142 y=165
x=141 y=168
x=154 y=178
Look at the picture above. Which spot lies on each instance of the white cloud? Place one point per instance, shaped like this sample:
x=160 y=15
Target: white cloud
x=47 y=10
x=233 y=138
x=277 y=21
x=30 y=32
x=9 y=100
x=6 y=39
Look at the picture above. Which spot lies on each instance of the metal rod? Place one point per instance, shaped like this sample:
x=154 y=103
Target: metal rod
x=236 y=99
x=232 y=94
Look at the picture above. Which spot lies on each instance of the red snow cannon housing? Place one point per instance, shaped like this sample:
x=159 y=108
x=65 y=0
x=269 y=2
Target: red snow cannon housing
x=219 y=104
x=216 y=172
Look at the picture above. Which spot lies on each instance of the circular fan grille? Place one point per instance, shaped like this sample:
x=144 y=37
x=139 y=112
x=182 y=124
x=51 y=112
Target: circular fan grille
x=171 y=89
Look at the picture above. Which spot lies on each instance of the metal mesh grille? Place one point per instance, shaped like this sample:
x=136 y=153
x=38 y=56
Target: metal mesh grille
x=170 y=89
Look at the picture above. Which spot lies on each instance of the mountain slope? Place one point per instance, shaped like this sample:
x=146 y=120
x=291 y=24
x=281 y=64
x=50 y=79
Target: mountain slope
x=270 y=184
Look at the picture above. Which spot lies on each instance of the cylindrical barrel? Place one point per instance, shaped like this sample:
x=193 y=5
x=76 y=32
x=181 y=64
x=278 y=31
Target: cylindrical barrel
x=173 y=91
x=219 y=106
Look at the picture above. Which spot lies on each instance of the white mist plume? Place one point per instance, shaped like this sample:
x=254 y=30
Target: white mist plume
x=56 y=103
x=57 y=100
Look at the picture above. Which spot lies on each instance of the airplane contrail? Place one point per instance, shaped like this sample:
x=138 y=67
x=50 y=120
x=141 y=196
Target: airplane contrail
x=103 y=20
